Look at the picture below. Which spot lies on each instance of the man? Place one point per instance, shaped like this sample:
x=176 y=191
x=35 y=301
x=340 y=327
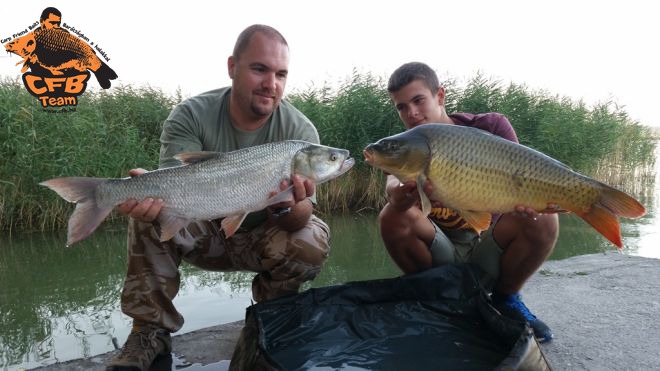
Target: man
x=50 y=18
x=511 y=250
x=285 y=244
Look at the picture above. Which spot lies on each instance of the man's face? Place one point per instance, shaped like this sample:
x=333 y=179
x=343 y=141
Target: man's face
x=259 y=75
x=417 y=105
x=52 y=21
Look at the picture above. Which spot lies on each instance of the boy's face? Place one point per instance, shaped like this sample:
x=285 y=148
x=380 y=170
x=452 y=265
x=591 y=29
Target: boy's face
x=417 y=105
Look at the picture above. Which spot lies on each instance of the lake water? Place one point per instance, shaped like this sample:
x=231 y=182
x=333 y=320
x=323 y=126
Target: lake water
x=59 y=303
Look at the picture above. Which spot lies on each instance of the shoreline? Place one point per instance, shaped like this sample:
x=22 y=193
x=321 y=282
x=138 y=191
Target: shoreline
x=602 y=309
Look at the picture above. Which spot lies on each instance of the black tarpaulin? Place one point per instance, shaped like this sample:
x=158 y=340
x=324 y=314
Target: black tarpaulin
x=439 y=319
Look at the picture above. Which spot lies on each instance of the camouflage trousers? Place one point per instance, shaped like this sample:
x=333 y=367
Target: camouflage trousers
x=283 y=261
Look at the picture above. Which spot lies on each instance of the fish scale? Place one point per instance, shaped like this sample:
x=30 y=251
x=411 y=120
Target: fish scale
x=210 y=186
x=477 y=173
x=209 y=177
x=496 y=167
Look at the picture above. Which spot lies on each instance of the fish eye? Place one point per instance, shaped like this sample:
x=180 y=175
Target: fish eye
x=391 y=145
x=333 y=157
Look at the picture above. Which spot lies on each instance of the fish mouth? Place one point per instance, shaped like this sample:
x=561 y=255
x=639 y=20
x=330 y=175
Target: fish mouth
x=346 y=165
x=368 y=155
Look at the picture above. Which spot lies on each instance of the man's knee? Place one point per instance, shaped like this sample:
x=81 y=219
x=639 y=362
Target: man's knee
x=290 y=259
x=395 y=224
x=307 y=247
x=541 y=232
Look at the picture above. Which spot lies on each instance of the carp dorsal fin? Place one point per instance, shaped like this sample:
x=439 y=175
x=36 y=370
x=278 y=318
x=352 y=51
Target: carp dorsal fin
x=479 y=220
x=195 y=157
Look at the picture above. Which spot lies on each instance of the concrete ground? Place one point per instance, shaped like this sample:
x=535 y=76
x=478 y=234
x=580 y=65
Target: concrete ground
x=603 y=309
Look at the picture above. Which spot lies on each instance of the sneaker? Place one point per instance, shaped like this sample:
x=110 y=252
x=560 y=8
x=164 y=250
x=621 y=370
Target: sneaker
x=144 y=344
x=512 y=306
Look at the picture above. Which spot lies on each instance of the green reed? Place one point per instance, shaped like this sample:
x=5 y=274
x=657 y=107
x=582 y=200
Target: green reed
x=110 y=133
x=114 y=131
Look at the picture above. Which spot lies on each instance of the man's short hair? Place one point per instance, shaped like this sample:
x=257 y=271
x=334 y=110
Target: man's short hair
x=410 y=72
x=244 y=38
x=48 y=11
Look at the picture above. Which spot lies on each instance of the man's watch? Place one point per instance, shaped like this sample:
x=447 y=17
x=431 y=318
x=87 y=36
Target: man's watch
x=280 y=211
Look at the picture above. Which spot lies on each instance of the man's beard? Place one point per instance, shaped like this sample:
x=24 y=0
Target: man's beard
x=262 y=110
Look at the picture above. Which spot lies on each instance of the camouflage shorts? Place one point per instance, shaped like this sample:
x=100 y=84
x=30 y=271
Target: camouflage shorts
x=283 y=261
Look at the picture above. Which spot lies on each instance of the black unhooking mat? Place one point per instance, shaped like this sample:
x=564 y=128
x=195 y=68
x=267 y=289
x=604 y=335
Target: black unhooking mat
x=440 y=319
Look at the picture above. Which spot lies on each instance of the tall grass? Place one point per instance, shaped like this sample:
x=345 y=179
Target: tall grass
x=600 y=141
x=108 y=134
x=114 y=131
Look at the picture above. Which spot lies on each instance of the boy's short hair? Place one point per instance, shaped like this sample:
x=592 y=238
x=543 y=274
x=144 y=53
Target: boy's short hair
x=410 y=72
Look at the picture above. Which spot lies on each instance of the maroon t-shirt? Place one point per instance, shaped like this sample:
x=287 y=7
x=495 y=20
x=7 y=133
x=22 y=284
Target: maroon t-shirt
x=494 y=123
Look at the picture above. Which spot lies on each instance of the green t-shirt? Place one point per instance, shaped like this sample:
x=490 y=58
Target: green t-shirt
x=202 y=123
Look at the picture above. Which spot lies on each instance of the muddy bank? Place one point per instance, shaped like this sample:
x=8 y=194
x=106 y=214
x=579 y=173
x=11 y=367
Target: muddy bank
x=603 y=309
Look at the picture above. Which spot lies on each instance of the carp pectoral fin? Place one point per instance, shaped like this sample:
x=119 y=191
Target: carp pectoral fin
x=170 y=225
x=231 y=224
x=479 y=220
x=423 y=198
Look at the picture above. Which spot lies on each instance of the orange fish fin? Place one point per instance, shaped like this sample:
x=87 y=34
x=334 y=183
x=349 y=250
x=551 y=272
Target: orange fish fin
x=479 y=220
x=620 y=203
x=231 y=224
x=604 y=221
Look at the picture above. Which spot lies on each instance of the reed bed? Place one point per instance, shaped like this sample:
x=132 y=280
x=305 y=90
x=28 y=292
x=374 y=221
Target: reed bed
x=114 y=131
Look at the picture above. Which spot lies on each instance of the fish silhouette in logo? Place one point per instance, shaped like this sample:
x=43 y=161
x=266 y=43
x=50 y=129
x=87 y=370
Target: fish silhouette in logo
x=52 y=50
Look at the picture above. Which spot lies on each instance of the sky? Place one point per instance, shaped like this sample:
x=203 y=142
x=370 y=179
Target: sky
x=594 y=51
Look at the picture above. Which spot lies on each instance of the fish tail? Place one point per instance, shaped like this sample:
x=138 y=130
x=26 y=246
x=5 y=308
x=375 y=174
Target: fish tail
x=603 y=214
x=604 y=221
x=88 y=215
x=620 y=203
x=104 y=74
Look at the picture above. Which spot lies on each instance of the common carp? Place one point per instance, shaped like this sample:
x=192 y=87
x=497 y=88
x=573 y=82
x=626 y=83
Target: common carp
x=57 y=50
x=210 y=185
x=477 y=173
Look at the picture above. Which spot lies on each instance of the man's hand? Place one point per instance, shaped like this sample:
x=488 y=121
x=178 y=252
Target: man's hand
x=145 y=211
x=302 y=189
x=301 y=206
x=528 y=212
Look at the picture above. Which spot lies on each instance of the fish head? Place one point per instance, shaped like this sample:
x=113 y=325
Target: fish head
x=321 y=163
x=23 y=46
x=403 y=155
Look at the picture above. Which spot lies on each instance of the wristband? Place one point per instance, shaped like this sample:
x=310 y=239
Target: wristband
x=280 y=211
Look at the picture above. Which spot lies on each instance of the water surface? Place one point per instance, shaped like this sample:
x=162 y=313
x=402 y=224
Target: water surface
x=59 y=303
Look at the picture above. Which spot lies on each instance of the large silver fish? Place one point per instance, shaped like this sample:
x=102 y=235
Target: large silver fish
x=210 y=185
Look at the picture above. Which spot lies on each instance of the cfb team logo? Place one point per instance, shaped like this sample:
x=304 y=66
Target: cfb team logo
x=58 y=62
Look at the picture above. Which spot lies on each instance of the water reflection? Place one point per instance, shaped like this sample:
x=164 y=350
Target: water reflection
x=59 y=303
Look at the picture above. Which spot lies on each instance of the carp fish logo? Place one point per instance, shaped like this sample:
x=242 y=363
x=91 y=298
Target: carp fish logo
x=59 y=62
